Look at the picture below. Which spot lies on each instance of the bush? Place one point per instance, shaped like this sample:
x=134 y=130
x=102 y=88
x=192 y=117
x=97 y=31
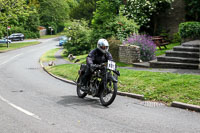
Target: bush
x=80 y=40
x=120 y=27
x=147 y=46
x=15 y=29
x=176 y=38
x=125 y=27
x=114 y=48
x=189 y=30
x=1 y=31
x=29 y=34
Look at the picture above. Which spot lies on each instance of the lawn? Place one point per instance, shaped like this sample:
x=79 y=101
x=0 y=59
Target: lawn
x=156 y=86
x=49 y=56
x=52 y=36
x=12 y=46
x=169 y=47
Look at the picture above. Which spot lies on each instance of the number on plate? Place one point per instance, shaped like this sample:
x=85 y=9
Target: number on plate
x=111 y=65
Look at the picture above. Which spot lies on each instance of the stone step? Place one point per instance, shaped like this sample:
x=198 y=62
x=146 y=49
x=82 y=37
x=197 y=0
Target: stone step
x=178 y=59
x=141 y=64
x=182 y=54
x=195 y=43
x=186 y=49
x=158 y=64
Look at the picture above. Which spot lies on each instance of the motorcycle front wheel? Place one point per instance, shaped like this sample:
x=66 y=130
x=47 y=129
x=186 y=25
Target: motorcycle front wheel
x=80 y=93
x=108 y=94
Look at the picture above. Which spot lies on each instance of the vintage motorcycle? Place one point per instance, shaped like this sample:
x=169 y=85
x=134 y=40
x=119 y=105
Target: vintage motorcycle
x=102 y=84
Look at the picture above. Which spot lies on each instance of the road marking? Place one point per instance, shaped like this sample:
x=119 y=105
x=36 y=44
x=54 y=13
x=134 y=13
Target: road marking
x=10 y=59
x=20 y=109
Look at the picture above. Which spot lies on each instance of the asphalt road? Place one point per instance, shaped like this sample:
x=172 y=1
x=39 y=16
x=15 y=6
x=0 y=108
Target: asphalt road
x=31 y=101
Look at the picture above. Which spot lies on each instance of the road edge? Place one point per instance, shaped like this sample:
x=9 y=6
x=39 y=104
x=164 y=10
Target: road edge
x=132 y=95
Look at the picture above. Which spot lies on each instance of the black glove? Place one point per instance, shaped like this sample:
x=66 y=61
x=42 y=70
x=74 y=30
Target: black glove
x=92 y=65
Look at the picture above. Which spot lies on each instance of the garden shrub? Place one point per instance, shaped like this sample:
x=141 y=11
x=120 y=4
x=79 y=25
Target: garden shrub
x=147 y=46
x=15 y=29
x=189 y=30
x=114 y=48
x=125 y=27
x=1 y=31
x=29 y=34
x=80 y=40
x=120 y=27
x=176 y=38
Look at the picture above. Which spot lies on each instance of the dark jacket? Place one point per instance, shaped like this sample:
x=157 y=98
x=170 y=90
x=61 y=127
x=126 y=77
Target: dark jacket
x=97 y=57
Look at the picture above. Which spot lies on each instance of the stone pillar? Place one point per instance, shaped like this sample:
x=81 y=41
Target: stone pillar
x=129 y=54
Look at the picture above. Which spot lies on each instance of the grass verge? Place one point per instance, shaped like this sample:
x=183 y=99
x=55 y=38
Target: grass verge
x=52 y=36
x=12 y=46
x=48 y=36
x=82 y=59
x=155 y=86
x=49 y=55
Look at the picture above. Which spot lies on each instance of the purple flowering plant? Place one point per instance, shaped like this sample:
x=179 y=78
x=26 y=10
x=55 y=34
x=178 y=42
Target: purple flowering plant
x=147 y=46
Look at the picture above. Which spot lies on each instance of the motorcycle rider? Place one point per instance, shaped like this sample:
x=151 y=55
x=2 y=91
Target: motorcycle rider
x=95 y=57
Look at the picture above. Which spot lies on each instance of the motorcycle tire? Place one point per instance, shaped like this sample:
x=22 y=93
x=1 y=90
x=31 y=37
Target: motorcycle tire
x=111 y=89
x=80 y=93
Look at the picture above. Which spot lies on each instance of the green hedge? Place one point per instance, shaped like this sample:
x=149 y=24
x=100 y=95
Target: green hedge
x=189 y=30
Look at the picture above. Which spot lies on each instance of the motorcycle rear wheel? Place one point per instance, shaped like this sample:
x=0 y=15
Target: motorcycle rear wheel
x=80 y=93
x=108 y=95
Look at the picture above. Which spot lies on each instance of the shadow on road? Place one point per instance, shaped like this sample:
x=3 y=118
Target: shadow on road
x=74 y=100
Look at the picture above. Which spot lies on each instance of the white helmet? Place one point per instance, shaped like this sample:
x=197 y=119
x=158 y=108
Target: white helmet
x=103 y=45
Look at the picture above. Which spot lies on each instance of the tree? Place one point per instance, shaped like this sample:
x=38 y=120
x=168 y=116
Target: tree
x=9 y=12
x=84 y=10
x=192 y=10
x=141 y=11
x=53 y=13
x=106 y=10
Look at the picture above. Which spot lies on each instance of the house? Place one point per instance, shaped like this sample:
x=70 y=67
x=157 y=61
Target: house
x=42 y=30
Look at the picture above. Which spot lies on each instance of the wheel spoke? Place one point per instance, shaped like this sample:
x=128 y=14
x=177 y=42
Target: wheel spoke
x=108 y=92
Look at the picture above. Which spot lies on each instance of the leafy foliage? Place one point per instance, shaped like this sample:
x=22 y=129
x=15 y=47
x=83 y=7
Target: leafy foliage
x=104 y=19
x=84 y=10
x=192 y=10
x=189 y=30
x=11 y=9
x=53 y=13
x=21 y=16
x=79 y=35
x=106 y=11
x=176 y=38
x=141 y=11
x=147 y=46
x=124 y=27
x=9 y=12
x=114 y=48
x=108 y=22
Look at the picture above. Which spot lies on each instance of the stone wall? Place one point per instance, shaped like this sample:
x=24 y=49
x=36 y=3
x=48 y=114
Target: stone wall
x=171 y=19
x=129 y=54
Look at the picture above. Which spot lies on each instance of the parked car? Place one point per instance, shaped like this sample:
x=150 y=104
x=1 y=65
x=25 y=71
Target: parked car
x=62 y=40
x=16 y=36
x=4 y=40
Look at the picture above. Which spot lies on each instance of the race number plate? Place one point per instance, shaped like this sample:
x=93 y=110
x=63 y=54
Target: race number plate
x=111 y=65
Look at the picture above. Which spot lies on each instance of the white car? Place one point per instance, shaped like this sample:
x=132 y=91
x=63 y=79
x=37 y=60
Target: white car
x=4 y=40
